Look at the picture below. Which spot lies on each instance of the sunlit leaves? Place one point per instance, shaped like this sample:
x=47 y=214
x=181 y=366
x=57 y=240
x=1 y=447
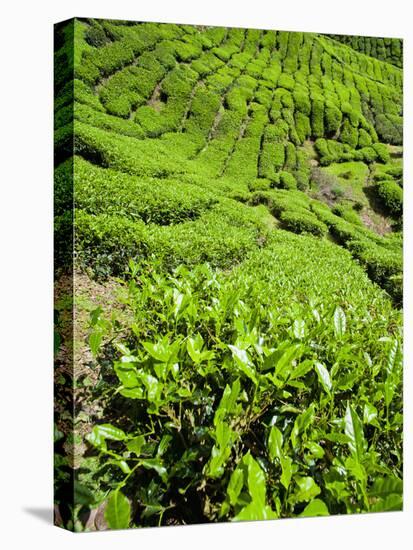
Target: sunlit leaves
x=195 y=349
x=95 y=340
x=353 y=428
x=135 y=444
x=393 y=370
x=243 y=362
x=275 y=442
x=299 y=329
x=386 y=494
x=276 y=453
x=117 y=511
x=302 y=422
x=339 y=322
x=162 y=350
x=370 y=415
x=212 y=394
x=221 y=450
x=103 y=432
x=227 y=405
x=99 y=327
x=315 y=508
x=323 y=376
x=253 y=478
x=307 y=489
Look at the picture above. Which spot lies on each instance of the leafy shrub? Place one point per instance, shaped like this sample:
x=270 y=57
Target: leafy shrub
x=302 y=126
x=123 y=153
x=317 y=118
x=112 y=57
x=223 y=237
x=349 y=134
x=347 y=213
x=389 y=131
x=391 y=196
x=290 y=157
x=395 y=170
x=164 y=202
x=287 y=180
x=96 y=36
x=220 y=446
x=369 y=154
x=302 y=102
x=186 y=51
x=280 y=200
x=302 y=222
x=106 y=243
x=383 y=266
x=364 y=139
x=279 y=155
x=88 y=115
x=302 y=177
x=321 y=146
x=259 y=184
x=333 y=117
x=82 y=93
x=286 y=81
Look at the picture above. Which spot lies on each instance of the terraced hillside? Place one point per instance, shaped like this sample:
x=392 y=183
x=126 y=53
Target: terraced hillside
x=237 y=231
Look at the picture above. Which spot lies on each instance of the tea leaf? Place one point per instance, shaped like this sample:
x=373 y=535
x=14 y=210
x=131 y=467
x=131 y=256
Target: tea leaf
x=315 y=508
x=117 y=511
x=339 y=322
x=353 y=429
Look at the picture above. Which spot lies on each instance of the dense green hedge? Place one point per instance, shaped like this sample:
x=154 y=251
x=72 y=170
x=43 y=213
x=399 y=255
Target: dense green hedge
x=100 y=191
x=385 y=49
x=105 y=243
x=302 y=222
x=391 y=196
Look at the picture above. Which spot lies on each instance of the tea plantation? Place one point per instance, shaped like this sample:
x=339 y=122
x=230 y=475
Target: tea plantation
x=234 y=198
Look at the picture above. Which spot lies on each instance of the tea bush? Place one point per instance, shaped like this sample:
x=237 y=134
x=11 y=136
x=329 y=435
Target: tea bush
x=391 y=196
x=302 y=223
x=239 y=329
x=100 y=191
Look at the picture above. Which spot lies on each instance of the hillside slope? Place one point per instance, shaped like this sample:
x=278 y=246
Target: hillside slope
x=245 y=189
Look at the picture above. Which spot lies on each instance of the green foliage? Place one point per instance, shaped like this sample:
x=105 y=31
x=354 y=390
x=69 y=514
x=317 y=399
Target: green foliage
x=286 y=81
x=385 y=49
x=389 y=128
x=98 y=239
x=107 y=191
x=88 y=115
x=369 y=154
x=349 y=134
x=197 y=345
x=95 y=35
x=251 y=366
x=317 y=118
x=391 y=196
x=364 y=138
x=333 y=117
x=382 y=152
x=287 y=180
x=302 y=223
x=383 y=266
x=259 y=184
x=117 y=512
x=347 y=213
